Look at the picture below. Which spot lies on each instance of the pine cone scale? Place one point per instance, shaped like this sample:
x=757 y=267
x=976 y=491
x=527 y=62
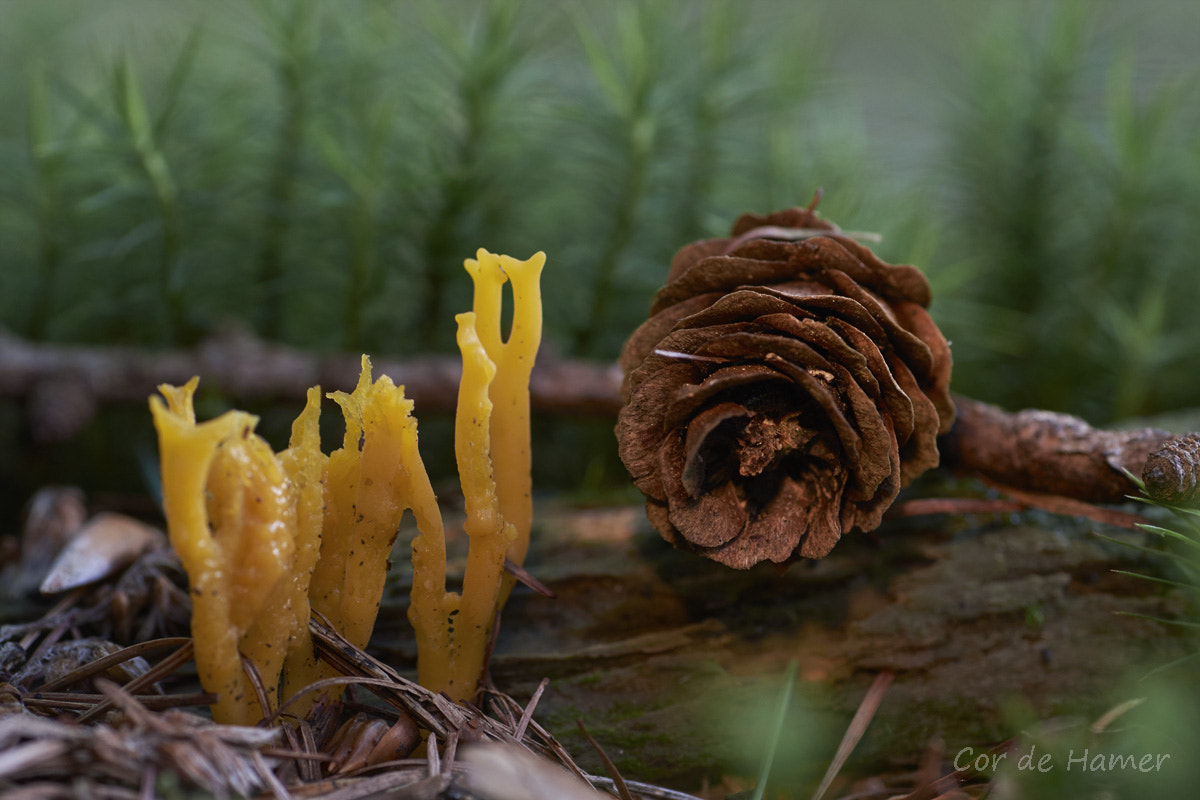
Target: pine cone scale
x=690 y=398
x=707 y=442
x=781 y=392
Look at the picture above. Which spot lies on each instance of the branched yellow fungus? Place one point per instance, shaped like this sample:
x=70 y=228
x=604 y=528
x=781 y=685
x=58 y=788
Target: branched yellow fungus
x=368 y=484
x=509 y=392
x=304 y=464
x=265 y=539
x=491 y=435
x=431 y=607
x=231 y=517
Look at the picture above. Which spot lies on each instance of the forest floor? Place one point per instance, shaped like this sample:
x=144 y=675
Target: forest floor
x=984 y=628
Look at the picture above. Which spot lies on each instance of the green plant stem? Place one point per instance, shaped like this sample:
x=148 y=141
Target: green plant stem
x=624 y=225
x=47 y=208
x=362 y=267
x=785 y=702
x=171 y=254
x=170 y=264
x=701 y=175
x=153 y=165
x=279 y=204
x=630 y=96
x=486 y=68
x=716 y=78
x=441 y=242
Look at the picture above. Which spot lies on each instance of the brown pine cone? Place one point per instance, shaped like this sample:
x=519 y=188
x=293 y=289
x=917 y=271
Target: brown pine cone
x=1172 y=472
x=786 y=385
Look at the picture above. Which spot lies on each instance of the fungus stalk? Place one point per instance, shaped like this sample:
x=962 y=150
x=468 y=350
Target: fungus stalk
x=231 y=517
x=492 y=448
x=267 y=538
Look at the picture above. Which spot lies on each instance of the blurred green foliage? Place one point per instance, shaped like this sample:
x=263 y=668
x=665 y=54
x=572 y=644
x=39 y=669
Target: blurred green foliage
x=1105 y=756
x=1073 y=174
x=319 y=170
x=1153 y=713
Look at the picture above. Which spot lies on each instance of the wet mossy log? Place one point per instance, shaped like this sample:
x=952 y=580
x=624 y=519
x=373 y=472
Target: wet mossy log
x=661 y=653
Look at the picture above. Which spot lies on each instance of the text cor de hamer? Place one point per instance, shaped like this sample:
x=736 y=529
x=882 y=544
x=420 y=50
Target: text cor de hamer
x=1084 y=761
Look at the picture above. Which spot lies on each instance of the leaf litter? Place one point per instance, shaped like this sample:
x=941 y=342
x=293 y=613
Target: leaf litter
x=82 y=714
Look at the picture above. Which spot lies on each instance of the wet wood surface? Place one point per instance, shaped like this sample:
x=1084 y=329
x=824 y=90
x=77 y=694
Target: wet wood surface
x=674 y=663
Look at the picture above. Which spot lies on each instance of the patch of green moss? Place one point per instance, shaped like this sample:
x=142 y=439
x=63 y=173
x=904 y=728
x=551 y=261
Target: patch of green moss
x=585 y=678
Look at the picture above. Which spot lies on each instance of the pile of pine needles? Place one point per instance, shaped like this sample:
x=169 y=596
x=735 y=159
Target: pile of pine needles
x=81 y=716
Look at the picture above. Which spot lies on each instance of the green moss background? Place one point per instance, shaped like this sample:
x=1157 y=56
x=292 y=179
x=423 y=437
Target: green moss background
x=317 y=171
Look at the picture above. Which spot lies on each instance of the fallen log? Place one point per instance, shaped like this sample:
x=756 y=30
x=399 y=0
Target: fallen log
x=668 y=658
x=1035 y=455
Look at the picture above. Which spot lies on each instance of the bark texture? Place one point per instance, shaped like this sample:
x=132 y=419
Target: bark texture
x=664 y=655
x=1047 y=452
x=64 y=386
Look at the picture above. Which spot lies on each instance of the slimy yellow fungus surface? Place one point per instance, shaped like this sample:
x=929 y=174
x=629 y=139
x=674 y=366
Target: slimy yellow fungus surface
x=509 y=391
x=367 y=484
x=491 y=443
x=304 y=464
x=231 y=518
x=266 y=538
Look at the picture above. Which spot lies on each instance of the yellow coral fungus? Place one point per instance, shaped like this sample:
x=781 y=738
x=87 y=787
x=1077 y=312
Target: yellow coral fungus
x=231 y=517
x=509 y=392
x=368 y=484
x=492 y=447
x=264 y=537
x=304 y=464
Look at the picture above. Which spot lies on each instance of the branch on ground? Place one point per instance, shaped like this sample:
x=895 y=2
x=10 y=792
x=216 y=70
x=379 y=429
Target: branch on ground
x=1027 y=454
